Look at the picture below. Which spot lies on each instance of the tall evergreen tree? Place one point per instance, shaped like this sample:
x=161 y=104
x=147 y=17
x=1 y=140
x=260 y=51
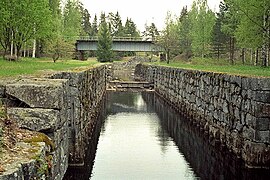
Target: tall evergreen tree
x=219 y=38
x=115 y=23
x=104 y=50
x=151 y=31
x=184 y=27
x=130 y=29
x=86 y=24
x=229 y=25
x=94 y=29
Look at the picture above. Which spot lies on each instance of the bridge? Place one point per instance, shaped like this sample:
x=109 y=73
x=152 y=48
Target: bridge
x=119 y=44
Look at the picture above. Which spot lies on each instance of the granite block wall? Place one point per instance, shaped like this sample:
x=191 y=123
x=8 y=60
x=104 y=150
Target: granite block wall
x=234 y=110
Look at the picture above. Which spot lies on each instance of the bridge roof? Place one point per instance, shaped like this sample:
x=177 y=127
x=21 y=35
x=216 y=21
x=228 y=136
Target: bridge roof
x=119 y=44
x=116 y=39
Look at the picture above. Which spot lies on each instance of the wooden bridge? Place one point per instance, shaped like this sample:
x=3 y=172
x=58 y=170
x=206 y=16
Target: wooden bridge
x=119 y=44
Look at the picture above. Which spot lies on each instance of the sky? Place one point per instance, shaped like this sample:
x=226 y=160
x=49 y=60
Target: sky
x=142 y=11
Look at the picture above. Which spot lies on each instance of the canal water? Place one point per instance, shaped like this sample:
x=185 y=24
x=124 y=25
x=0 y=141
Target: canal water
x=141 y=137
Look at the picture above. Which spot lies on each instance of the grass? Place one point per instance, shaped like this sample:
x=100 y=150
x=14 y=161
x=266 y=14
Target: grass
x=26 y=66
x=220 y=66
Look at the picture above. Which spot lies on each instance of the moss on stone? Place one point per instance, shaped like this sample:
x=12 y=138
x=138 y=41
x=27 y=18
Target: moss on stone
x=40 y=137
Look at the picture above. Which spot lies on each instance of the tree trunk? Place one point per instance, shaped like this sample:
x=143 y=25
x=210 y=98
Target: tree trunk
x=256 y=57
x=218 y=52
x=251 y=56
x=232 y=50
x=168 y=56
x=11 y=46
x=34 y=49
x=16 y=51
x=265 y=41
x=243 y=56
x=24 y=50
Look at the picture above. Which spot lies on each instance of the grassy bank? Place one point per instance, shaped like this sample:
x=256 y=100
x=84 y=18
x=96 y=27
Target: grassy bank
x=27 y=66
x=221 y=66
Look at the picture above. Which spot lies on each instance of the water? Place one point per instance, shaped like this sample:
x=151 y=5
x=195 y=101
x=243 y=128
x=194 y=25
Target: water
x=143 y=138
x=133 y=145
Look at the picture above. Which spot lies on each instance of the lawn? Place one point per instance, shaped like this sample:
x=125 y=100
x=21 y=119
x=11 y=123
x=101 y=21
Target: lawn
x=27 y=66
x=221 y=66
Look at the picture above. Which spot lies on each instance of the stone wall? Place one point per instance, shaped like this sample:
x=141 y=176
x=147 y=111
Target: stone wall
x=63 y=106
x=124 y=71
x=27 y=168
x=87 y=89
x=232 y=109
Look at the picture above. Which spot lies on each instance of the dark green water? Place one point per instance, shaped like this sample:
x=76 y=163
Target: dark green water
x=141 y=137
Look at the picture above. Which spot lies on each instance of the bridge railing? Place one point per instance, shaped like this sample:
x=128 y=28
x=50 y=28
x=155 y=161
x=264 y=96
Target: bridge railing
x=95 y=38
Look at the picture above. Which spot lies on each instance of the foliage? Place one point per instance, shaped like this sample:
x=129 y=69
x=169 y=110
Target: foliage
x=202 y=20
x=151 y=32
x=184 y=28
x=104 y=50
x=167 y=40
x=23 y=20
x=219 y=38
x=72 y=19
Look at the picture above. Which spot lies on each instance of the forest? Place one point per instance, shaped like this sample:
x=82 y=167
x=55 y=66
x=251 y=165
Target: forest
x=239 y=32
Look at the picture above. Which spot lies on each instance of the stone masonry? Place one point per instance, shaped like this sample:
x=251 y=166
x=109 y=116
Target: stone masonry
x=63 y=106
x=232 y=109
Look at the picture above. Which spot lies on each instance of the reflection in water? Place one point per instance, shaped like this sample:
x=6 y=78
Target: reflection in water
x=143 y=138
x=208 y=162
x=134 y=146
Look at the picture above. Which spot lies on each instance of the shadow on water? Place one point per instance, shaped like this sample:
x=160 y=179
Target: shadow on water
x=207 y=161
x=84 y=172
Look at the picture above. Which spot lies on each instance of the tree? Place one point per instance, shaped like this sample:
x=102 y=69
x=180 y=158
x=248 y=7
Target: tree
x=116 y=26
x=21 y=21
x=130 y=29
x=104 y=50
x=167 y=40
x=202 y=20
x=219 y=38
x=94 y=30
x=254 y=24
x=86 y=24
x=184 y=27
x=72 y=18
x=229 y=25
x=151 y=31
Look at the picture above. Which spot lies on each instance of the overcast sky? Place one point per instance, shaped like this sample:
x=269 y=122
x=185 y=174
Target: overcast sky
x=142 y=11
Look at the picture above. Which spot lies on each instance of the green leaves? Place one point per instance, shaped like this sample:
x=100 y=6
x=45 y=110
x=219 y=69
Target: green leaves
x=202 y=22
x=104 y=50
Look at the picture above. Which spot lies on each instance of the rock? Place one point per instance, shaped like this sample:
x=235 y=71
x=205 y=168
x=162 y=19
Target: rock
x=262 y=124
x=39 y=93
x=262 y=96
x=35 y=119
x=262 y=136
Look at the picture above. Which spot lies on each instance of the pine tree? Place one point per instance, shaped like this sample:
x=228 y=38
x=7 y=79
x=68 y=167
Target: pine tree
x=219 y=38
x=130 y=29
x=104 y=50
x=86 y=22
x=94 y=29
x=184 y=27
x=151 y=31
